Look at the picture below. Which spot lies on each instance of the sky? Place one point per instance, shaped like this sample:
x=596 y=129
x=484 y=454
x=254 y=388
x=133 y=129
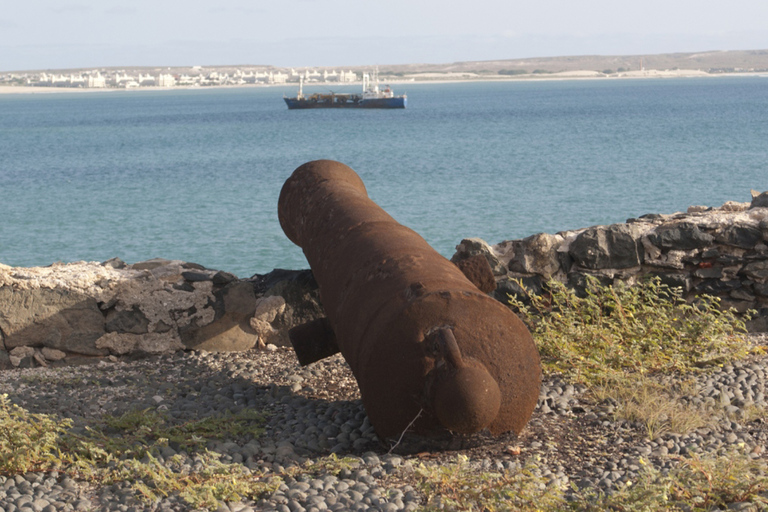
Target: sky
x=57 y=34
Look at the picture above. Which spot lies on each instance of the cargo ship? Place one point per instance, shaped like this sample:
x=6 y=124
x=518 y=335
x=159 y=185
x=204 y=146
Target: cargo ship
x=371 y=97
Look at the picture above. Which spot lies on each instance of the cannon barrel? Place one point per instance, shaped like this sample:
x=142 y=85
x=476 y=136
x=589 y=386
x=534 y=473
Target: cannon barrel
x=422 y=340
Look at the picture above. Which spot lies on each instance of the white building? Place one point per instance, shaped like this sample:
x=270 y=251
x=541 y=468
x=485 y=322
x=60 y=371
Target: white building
x=165 y=80
x=96 y=81
x=277 y=78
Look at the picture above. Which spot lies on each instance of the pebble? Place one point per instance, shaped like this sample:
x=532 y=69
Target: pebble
x=301 y=427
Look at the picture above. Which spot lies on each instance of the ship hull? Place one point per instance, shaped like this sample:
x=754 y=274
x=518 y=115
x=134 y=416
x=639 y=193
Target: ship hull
x=349 y=101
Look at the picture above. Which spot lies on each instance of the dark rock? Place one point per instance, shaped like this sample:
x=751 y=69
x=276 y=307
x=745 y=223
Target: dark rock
x=759 y=200
x=606 y=247
x=757 y=271
x=193 y=266
x=709 y=272
x=510 y=286
x=730 y=260
x=5 y=360
x=302 y=298
x=716 y=287
x=221 y=278
x=742 y=294
x=683 y=236
x=739 y=306
x=194 y=277
x=711 y=253
x=578 y=281
x=745 y=237
x=183 y=286
x=150 y=264
x=114 y=263
x=675 y=280
x=761 y=289
x=262 y=283
x=54 y=318
x=132 y=321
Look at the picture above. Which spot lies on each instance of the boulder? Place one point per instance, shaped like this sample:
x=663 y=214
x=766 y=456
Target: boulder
x=537 y=254
x=759 y=200
x=470 y=247
x=289 y=299
x=681 y=236
x=611 y=246
x=56 y=318
x=745 y=237
x=230 y=329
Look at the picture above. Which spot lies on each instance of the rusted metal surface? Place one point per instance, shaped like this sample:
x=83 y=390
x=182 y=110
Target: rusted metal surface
x=420 y=338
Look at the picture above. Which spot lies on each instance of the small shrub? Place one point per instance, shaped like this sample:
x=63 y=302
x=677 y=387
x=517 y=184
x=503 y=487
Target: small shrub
x=648 y=327
x=28 y=442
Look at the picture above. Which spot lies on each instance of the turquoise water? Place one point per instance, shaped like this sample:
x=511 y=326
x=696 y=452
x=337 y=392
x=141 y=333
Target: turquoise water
x=195 y=174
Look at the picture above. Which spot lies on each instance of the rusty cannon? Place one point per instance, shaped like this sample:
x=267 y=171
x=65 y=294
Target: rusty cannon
x=429 y=350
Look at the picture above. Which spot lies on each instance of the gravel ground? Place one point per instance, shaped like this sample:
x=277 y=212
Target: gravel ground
x=315 y=411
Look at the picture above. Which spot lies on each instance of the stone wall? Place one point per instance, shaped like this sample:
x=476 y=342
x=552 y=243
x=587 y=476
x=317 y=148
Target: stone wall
x=716 y=251
x=68 y=313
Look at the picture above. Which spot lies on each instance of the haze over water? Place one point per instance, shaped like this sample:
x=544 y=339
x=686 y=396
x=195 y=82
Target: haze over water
x=195 y=174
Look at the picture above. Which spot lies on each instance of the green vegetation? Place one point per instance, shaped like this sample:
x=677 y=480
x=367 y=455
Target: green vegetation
x=617 y=330
x=513 y=72
x=456 y=487
x=125 y=449
x=697 y=484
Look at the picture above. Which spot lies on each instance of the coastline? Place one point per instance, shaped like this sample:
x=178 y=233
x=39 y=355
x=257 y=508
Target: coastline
x=421 y=78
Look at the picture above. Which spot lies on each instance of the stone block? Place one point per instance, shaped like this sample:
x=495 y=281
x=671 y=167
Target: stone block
x=578 y=281
x=56 y=318
x=230 y=329
x=537 y=254
x=759 y=200
x=510 y=286
x=745 y=237
x=757 y=271
x=675 y=280
x=604 y=247
x=716 y=287
x=680 y=236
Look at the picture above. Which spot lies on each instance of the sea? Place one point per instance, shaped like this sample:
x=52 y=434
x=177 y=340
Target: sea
x=195 y=174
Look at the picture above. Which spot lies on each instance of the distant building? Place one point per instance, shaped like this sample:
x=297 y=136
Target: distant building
x=165 y=81
x=96 y=81
x=277 y=77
